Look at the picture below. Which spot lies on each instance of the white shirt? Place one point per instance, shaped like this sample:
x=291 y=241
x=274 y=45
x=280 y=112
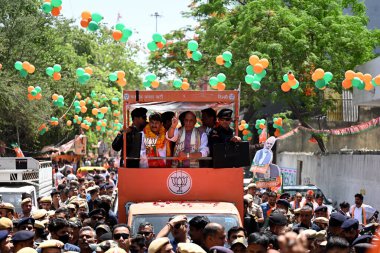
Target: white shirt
x=71 y=177
x=203 y=148
x=358 y=212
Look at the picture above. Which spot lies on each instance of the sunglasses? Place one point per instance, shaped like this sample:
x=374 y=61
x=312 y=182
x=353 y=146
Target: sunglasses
x=145 y=233
x=118 y=236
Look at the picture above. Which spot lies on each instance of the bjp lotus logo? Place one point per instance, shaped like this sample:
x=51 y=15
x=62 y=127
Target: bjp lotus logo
x=179 y=182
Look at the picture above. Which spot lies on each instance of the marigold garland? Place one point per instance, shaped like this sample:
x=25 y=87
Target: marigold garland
x=161 y=136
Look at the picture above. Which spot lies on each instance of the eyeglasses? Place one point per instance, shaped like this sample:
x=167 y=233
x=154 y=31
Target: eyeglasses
x=118 y=236
x=145 y=233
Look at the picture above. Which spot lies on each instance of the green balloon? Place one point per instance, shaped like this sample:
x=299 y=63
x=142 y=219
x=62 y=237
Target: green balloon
x=18 y=65
x=34 y=92
x=152 y=46
x=227 y=56
x=82 y=80
x=177 y=83
x=98 y=123
x=213 y=81
x=373 y=82
x=56 y=3
x=157 y=37
x=245 y=138
x=38 y=89
x=127 y=32
x=76 y=103
x=86 y=76
x=328 y=76
x=296 y=85
x=285 y=78
x=77 y=109
x=60 y=98
x=192 y=45
x=93 y=26
x=262 y=74
x=356 y=82
x=49 y=71
x=47 y=7
x=96 y=17
x=257 y=78
x=221 y=77
x=100 y=115
x=249 y=70
x=163 y=41
x=89 y=101
x=80 y=118
x=147 y=84
x=320 y=83
x=80 y=71
x=361 y=86
x=249 y=79
x=119 y=27
x=256 y=85
x=228 y=64
x=151 y=77
x=23 y=73
x=197 y=56
x=113 y=77
x=57 y=68
x=259 y=131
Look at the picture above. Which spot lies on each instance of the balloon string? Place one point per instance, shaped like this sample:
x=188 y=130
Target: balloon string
x=75 y=97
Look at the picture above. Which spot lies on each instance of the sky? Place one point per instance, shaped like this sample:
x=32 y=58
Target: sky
x=134 y=14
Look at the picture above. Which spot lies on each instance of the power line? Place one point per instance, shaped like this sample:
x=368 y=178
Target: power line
x=156 y=15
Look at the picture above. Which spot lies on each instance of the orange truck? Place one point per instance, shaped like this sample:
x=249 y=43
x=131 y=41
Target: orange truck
x=156 y=194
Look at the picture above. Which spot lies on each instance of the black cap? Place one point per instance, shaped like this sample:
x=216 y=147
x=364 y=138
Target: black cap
x=283 y=202
x=108 y=186
x=105 y=237
x=277 y=218
x=285 y=195
x=22 y=235
x=350 y=223
x=99 y=211
x=321 y=209
x=220 y=249
x=362 y=239
x=337 y=219
x=139 y=112
x=225 y=113
x=3 y=234
x=26 y=220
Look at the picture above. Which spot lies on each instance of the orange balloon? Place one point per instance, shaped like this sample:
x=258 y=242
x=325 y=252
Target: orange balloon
x=83 y=109
x=47 y=1
x=31 y=69
x=155 y=84
x=30 y=97
x=253 y=60
x=104 y=123
x=98 y=128
x=25 y=65
x=120 y=74
x=88 y=70
x=78 y=95
x=96 y=104
x=56 y=76
x=83 y=125
x=221 y=86
x=277 y=132
x=368 y=86
x=264 y=62
x=86 y=15
x=292 y=82
x=84 y=23
x=54 y=96
x=117 y=35
x=95 y=111
x=220 y=60
x=55 y=11
x=245 y=132
x=104 y=110
x=82 y=103
x=69 y=123
x=189 y=54
x=319 y=73
x=241 y=127
x=160 y=45
x=367 y=78
x=291 y=76
x=30 y=88
x=349 y=74
x=377 y=80
x=122 y=82
x=258 y=68
x=285 y=87
x=360 y=75
x=185 y=86
x=39 y=96
x=185 y=80
x=314 y=77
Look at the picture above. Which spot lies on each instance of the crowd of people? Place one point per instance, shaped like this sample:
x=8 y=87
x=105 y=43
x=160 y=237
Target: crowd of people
x=162 y=137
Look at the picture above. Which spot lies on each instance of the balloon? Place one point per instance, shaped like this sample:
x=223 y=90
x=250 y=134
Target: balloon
x=54 y=96
x=88 y=70
x=152 y=46
x=23 y=73
x=253 y=60
x=292 y=82
x=60 y=98
x=127 y=32
x=57 y=68
x=86 y=76
x=30 y=88
x=213 y=81
x=249 y=70
x=83 y=109
x=57 y=76
x=122 y=82
x=221 y=86
x=31 y=69
x=120 y=74
x=249 y=79
x=228 y=64
x=262 y=74
x=377 y=80
x=285 y=87
x=349 y=74
x=256 y=85
x=258 y=68
x=264 y=62
x=356 y=82
x=46 y=7
x=34 y=93
x=151 y=77
x=367 y=78
x=117 y=35
x=192 y=45
x=147 y=84
x=185 y=86
x=227 y=56
x=55 y=11
x=93 y=26
x=113 y=77
x=94 y=111
x=82 y=103
x=38 y=96
x=96 y=17
x=221 y=77
x=56 y=3
x=318 y=73
x=100 y=116
x=197 y=56
x=346 y=84
x=119 y=27
x=296 y=85
x=18 y=65
x=257 y=78
x=321 y=83
x=328 y=76
x=177 y=83
x=189 y=54
x=80 y=71
x=219 y=60
x=368 y=86
x=157 y=37
x=285 y=78
x=155 y=84
x=360 y=75
x=84 y=23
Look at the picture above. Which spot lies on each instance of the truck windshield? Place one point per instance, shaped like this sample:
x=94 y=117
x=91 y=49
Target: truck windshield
x=14 y=198
x=158 y=221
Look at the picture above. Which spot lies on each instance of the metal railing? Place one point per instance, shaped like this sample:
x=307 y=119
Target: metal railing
x=343 y=109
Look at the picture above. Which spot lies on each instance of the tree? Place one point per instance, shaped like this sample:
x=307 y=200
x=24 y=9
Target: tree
x=296 y=35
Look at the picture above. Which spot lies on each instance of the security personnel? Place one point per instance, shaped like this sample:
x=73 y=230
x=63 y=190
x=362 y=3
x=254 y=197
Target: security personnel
x=51 y=246
x=350 y=229
x=6 y=224
x=7 y=210
x=22 y=239
x=5 y=241
x=26 y=224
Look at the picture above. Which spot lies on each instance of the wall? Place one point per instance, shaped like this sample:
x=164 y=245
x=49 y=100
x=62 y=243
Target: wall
x=340 y=176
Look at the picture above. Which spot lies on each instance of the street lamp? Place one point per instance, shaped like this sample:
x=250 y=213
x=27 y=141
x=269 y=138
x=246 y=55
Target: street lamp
x=156 y=15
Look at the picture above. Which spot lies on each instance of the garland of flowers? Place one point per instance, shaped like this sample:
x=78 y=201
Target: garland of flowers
x=161 y=136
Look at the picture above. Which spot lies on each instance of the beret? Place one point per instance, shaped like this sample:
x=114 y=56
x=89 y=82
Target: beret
x=99 y=211
x=337 y=219
x=104 y=227
x=39 y=224
x=322 y=220
x=46 y=200
x=27 y=250
x=3 y=234
x=362 y=239
x=26 y=220
x=283 y=202
x=157 y=244
x=39 y=214
x=278 y=218
x=26 y=201
x=92 y=189
x=22 y=235
x=225 y=113
x=8 y=206
x=321 y=209
x=350 y=224
x=297 y=210
x=189 y=248
x=248 y=197
x=50 y=213
x=240 y=240
x=5 y=223
x=51 y=244
x=245 y=188
x=219 y=249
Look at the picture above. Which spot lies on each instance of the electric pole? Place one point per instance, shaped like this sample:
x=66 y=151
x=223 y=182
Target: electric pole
x=156 y=15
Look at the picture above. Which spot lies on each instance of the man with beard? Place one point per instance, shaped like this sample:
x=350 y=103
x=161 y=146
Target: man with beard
x=155 y=142
x=147 y=231
x=358 y=211
x=59 y=230
x=87 y=236
x=177 y=226
x=134 y=136
x=269 y=206
x=26 y=206
x=5 y=241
